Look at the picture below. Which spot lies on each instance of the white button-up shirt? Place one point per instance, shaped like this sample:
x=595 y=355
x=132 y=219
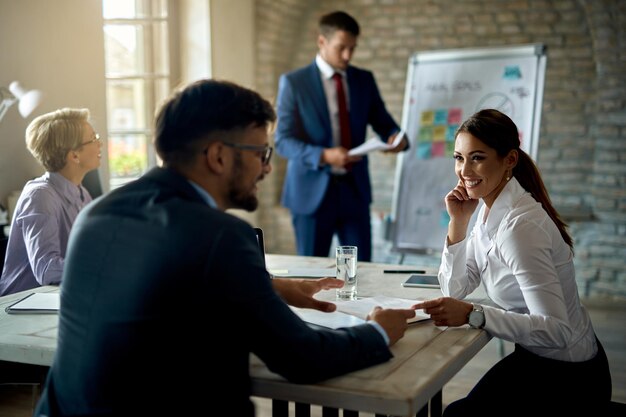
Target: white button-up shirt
x=528 y=271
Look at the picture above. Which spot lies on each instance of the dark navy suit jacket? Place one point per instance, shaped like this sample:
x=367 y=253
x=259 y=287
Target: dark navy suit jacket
x=304 y=130
x=151 y=274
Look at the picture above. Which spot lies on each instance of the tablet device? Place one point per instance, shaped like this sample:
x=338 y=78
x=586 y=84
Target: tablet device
x=422 y=281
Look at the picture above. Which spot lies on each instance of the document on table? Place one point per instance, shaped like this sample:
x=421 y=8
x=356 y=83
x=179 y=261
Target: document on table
x=363 y=306
x=375 y=144
x=354 y=312
x=333 y=320
x=36 y=303
x=304 y=272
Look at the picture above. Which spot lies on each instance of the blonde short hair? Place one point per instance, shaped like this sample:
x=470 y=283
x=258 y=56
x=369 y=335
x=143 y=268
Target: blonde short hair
x=51 y=136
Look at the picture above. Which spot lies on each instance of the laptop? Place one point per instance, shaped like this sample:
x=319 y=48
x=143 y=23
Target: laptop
x=292 y=272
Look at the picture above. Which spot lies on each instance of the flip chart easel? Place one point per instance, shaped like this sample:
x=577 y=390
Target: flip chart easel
x=444 y=88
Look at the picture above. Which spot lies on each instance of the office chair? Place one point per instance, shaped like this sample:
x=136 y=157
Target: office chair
x=3 y=249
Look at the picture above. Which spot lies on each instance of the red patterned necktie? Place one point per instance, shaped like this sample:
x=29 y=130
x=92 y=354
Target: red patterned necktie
x=344 y=120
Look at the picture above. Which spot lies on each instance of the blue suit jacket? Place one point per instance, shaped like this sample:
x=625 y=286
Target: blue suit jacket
x=151 y=274
x=304 y=130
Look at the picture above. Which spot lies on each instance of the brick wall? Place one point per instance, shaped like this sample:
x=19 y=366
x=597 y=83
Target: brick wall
x=582 y=144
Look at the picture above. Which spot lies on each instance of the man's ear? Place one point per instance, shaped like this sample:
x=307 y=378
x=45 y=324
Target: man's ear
x=215 y=157
x=321 y=41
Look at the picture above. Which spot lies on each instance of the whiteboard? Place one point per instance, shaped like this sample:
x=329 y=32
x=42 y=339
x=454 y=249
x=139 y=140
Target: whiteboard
x=444 y=88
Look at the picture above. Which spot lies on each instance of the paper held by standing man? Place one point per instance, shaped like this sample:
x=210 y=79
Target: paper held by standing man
x=375 y=144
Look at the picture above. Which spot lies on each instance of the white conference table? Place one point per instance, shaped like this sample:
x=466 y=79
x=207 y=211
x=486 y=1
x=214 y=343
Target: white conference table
x=424 y=360
x=27 y=338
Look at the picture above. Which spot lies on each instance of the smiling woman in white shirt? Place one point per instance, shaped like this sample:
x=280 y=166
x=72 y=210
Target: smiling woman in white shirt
x=521 y=251
x=67 y=146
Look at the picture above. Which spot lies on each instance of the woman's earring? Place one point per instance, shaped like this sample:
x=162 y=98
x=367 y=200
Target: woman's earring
x=508 y=176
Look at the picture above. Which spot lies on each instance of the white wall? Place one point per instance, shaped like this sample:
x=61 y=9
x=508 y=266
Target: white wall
x=232 y=52
x=57 y=47
x=232 y=41
x=217 y=40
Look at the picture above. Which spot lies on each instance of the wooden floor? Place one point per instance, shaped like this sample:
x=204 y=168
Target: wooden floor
x=609 y=319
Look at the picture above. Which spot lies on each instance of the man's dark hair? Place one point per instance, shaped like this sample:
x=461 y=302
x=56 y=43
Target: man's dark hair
x=191 y=114
x=331 y=22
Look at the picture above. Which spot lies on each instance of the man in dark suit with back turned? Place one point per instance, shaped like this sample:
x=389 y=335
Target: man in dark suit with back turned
x=323 y=111
x=156 y=267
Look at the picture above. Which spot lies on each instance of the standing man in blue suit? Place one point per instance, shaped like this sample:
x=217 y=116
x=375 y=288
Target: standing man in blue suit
x=323 y=111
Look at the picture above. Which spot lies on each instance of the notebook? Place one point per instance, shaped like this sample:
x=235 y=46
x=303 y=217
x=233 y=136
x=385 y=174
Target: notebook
x=36 y=303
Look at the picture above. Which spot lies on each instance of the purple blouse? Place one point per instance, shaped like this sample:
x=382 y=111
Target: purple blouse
x=40 y=229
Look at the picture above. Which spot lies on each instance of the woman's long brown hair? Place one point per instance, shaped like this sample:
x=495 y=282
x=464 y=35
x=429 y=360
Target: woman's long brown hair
x=497 y=130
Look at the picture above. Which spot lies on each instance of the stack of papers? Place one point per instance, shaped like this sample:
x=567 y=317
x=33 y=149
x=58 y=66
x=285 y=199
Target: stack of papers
x=354 y=312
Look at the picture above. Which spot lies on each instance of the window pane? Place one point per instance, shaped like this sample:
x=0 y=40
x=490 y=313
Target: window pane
x=131 y=9
x=128 y=157
x=127 y=104
x=112 y=9
x=136 y=49
x=122 y=48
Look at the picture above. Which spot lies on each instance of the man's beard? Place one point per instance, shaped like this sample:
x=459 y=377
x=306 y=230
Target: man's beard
x=240 y=198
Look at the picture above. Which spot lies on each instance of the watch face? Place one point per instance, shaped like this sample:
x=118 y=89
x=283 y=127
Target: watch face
x=477 y=319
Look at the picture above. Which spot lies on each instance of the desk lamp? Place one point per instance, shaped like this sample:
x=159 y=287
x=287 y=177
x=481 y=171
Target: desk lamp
x=28 y=99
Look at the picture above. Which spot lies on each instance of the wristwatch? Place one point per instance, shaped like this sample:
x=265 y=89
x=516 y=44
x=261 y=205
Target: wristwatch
x=476 y=317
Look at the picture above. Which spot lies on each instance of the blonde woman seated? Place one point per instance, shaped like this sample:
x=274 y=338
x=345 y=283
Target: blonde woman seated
x=65 y=143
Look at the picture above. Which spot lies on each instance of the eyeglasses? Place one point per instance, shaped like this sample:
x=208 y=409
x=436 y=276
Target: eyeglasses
x=96 y=138
x=264 y=151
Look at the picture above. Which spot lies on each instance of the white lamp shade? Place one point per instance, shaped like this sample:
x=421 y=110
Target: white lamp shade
x=28 y=100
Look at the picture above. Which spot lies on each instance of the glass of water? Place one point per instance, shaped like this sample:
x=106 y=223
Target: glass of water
x=346 y=271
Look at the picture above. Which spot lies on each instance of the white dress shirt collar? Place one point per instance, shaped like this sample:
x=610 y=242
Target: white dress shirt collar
x=326 y=69
x=508 y=198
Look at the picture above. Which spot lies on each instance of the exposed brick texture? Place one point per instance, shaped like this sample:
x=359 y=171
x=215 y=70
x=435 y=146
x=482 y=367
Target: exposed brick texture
x=582 y=145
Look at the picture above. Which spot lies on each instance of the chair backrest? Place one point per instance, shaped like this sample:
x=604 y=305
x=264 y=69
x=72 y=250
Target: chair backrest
x=3 y=249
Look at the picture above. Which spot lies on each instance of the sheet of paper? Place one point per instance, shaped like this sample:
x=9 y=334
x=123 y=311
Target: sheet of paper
x=363 y=306
x=304 y=272
x=375 y=144
x=354 y=312
x=332 y=320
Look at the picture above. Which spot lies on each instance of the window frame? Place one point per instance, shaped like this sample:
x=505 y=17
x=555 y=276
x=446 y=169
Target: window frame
x=149 y=78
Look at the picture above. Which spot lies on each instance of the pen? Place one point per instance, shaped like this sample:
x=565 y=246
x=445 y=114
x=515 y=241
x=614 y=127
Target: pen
x=403 y=271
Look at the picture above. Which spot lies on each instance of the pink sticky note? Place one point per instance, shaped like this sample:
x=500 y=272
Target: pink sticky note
x=454 y=116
